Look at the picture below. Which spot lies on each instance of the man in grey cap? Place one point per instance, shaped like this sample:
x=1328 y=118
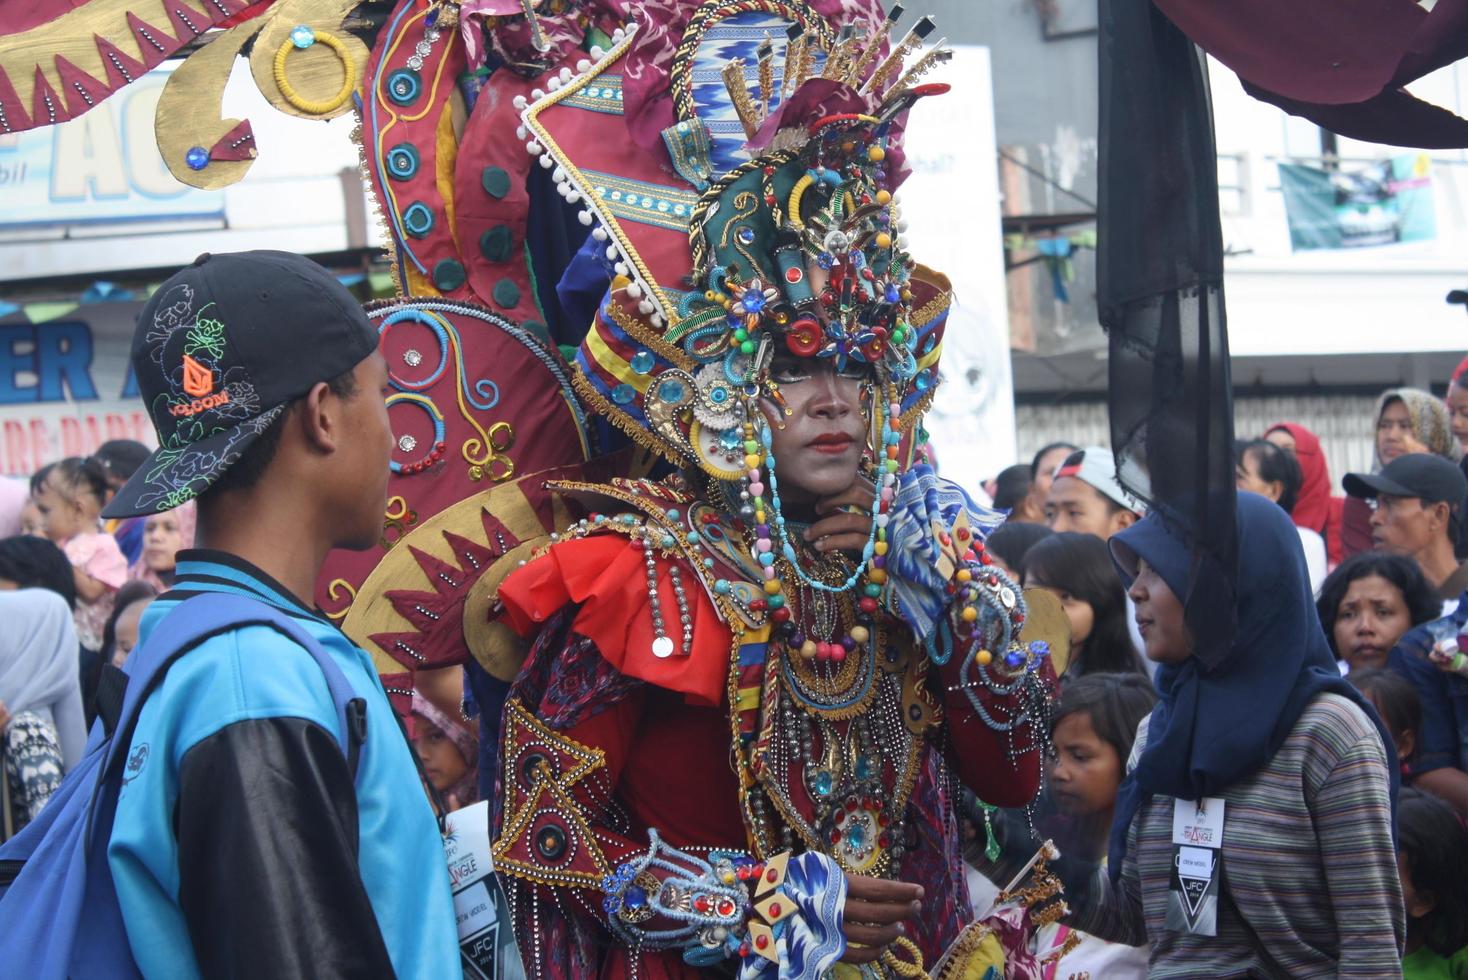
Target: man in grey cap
x=1085 y=496
x=1417 y=512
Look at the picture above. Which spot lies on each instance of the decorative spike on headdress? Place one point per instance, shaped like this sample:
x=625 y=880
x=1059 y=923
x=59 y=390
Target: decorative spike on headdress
x=733 y=75
x=842 y=54
x=766 y=60
x=874 y=47
x=890 y=64
x=795 y=45
x=537 y=35
x=935 y=56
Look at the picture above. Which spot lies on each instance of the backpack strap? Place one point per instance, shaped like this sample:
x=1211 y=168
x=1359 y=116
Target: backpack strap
x=201 y=618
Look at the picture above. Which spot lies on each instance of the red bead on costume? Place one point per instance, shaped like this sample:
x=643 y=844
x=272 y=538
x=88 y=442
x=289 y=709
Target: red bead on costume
x=761 y=941
x=867 y=604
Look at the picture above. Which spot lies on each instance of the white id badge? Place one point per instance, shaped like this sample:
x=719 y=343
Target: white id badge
x=1197 y=836
x=486 y=940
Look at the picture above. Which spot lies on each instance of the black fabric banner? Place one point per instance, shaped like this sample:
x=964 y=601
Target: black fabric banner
x=1159 y=267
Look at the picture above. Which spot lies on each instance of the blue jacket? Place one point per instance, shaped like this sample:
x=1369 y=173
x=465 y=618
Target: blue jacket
x=1442 y=741
x=240 y=845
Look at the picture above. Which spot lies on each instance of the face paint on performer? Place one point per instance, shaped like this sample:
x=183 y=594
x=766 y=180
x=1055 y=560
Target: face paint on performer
x=818 y=441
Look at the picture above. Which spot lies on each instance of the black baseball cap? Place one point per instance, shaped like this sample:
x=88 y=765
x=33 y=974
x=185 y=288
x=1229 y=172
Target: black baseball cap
x=1422 y=475
x=220 y=350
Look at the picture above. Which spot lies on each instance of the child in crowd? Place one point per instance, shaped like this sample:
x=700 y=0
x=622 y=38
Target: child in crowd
x=1093 y=729
x=122 y=626
x=71 y=502
x=164 y=536
x=1432 y=859
x=448 y=750
x=32 y=524
x=1077 y=569
x=1396 y=700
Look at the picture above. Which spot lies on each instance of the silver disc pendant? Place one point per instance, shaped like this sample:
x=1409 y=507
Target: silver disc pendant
x=662 y=647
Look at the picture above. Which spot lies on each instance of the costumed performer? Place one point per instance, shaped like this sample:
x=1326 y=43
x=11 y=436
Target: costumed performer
x=733 y=742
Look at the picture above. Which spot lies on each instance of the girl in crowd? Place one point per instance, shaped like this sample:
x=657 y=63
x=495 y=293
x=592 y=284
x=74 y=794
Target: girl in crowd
x=1042 y=473
x=43 y=734
x=1315 y=508
x=1078 y=570
x=448 y=750
x=1396 y=701
x=1264 y=468
x=71 y=501
x=1433 y=856
x=1011 y=541
x=1267 y=747
x=164 y=536
x=1408 y=420
x=1458 y=404
x=1093 y=731
x=122 y=626
x=1367 y=604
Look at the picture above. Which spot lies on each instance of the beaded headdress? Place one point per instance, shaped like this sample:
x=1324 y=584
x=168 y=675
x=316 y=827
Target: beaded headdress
x=772 y=225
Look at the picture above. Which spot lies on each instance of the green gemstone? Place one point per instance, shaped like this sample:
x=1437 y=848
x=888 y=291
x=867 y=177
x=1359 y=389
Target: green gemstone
x=747 y=347
x=506 y=294
x=741 y=335
x=496 y=243
x=448 y=275
x=496 y=181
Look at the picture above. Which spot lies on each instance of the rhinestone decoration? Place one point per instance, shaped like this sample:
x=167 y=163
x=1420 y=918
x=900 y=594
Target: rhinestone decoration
x=407 y=444
x=412 y=357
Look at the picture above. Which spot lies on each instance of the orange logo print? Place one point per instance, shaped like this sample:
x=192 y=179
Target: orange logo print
x=198 y=380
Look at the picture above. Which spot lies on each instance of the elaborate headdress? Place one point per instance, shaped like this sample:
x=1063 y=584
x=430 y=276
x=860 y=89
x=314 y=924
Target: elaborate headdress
x=772 y=225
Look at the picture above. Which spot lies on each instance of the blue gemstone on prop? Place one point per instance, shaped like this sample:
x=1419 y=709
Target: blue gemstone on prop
x=753 y=301
x=624 y=394
x=893 y=294
x=302 y=36
x=730 y=439
x=404 y=86
x=823 y=784
x=693 y=537
x=856 y=836
x=671 y=391
x=668 y=541
x=923 y=382
x=643 y=361
x=775 y=601
x=1040 y=648
x=1014 y=658
x=672 y=513
x=431 y=18
x=418 y=220
x=767 y=558
x=745 y=235
x=402 y=161
x=864 y=767
x=721 y=587
x=718 y=395
x=197 y=158
x=635 y=897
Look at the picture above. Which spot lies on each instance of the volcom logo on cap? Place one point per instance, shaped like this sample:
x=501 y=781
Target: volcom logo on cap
x=198 y=381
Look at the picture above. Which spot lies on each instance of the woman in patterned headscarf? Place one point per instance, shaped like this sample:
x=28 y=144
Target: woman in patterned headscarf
x=1408 y=420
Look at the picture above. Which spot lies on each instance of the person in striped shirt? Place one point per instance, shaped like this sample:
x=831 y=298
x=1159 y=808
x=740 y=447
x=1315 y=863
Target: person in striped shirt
x=1304 y=862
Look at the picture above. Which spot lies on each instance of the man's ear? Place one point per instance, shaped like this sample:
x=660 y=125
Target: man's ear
x=1406 y=744
x=1421 y=904
x=320 y=418
x=1123 y=519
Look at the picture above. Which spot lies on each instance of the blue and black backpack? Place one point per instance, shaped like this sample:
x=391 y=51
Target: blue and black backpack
x=59 y=913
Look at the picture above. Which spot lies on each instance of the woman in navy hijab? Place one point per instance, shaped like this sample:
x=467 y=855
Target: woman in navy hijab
x=1253 y=834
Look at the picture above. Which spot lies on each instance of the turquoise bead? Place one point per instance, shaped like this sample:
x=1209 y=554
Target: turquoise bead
x=766 y=559
x=673 y=514
x=721 y=587
x=872 y=589
x=668 y=541
x=693 y=537
x=775 y=601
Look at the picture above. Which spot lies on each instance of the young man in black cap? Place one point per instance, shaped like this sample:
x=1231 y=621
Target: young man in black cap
x=242 y=844
x=1418 y=513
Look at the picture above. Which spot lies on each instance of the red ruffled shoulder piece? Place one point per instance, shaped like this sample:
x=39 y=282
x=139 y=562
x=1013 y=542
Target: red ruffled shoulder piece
x=607 y=575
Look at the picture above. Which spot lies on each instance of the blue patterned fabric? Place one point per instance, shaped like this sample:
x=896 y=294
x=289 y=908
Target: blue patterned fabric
x=810 y=942
x=918 y=593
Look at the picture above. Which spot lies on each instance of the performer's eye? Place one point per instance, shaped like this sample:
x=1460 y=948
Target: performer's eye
x=790 y=370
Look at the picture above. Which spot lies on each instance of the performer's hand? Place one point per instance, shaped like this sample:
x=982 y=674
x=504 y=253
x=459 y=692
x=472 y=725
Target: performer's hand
x=839 y=529
x=875 y=911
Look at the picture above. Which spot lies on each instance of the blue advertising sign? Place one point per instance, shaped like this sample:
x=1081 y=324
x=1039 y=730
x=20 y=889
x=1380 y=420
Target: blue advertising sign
x=101 y=167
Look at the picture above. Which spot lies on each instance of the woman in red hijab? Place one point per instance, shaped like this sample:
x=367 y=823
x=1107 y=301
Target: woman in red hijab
x=1315 y=508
